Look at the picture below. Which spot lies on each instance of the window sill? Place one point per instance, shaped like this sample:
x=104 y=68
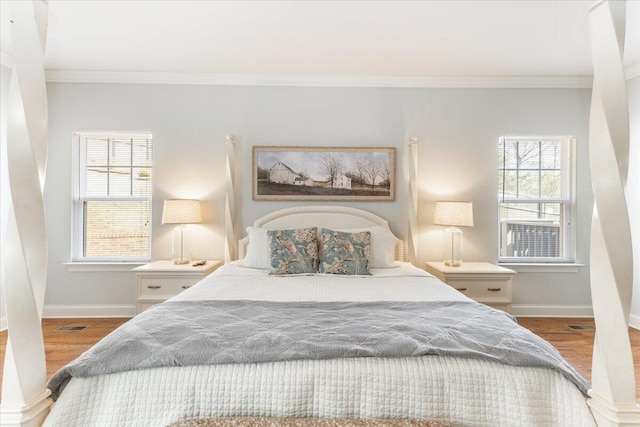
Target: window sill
x=80 y=266
x=542 y=267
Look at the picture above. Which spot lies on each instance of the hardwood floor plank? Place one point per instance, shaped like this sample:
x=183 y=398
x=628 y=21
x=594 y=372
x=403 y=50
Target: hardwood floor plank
x=577 y=346
x=61 y=347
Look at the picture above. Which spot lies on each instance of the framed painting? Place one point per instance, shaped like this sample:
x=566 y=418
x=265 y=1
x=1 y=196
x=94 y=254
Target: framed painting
x=324 y=173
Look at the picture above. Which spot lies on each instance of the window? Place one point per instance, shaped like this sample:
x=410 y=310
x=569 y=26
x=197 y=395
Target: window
x=536 y=193
x=112 y=196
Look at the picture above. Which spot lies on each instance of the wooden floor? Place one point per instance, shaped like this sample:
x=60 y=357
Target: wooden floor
x=575 y=346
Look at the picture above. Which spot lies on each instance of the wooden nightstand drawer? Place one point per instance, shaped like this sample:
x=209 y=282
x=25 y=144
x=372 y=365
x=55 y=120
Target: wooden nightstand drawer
x=481 y=281
x=478 y=289
x=153 y=287
x=158 y=281
x=143 y=305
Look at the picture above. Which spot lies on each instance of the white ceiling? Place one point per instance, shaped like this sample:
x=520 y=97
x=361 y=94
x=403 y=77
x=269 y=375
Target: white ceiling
x=325 y=38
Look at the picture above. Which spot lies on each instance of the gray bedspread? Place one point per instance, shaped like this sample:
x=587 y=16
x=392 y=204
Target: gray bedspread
x=183 y=333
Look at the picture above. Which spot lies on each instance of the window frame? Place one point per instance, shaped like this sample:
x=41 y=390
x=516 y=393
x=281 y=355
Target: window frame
x=568 y=223
x=78 y=215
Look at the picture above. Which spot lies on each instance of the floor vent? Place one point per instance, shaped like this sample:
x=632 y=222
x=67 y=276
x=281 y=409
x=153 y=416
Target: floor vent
x=70 y=328
x=582 y=327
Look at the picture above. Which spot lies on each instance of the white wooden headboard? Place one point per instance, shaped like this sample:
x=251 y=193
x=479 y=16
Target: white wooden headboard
x=335 y=217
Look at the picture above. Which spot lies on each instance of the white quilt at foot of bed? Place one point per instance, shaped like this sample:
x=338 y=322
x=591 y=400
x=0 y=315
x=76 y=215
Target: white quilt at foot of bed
x=465 y=392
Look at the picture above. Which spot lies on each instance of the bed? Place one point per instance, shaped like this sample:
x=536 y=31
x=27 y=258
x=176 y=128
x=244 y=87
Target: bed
x=362 y=385
x=613 y=396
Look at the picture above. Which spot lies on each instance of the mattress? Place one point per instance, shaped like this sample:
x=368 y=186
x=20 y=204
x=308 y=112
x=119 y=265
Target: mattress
x=460 y=391
x=402 y=283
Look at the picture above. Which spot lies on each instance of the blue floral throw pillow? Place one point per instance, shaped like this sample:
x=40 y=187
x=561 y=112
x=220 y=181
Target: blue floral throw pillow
x=345 y=253
x=293 y=251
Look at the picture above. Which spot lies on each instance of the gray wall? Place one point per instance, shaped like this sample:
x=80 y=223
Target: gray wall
x=458 y=130
x=633 y=191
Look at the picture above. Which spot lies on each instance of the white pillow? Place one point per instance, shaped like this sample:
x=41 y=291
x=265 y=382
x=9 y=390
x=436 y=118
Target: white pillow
x=383 y=246
x=258 y=255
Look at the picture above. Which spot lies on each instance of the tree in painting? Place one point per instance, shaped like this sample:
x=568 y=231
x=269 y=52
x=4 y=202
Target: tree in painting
x=372 y=171
x=386 y=173
x=332 y=165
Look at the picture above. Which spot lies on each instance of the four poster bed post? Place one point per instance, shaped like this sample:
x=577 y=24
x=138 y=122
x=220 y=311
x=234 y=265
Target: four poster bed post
x=24 y=254
x=613 y=397
x=25 y=399
x=412 y=232
x=230 y=251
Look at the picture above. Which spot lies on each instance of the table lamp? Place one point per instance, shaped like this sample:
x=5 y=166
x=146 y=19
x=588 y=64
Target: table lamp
x=454 y=215
x=182 y=212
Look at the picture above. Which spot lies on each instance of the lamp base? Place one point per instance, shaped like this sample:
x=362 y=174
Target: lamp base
x=452 y=247
x=181 y=261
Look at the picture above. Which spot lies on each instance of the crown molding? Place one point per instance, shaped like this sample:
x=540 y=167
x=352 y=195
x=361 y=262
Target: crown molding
x=6 y=60
x=64 y=76
x=632 y=71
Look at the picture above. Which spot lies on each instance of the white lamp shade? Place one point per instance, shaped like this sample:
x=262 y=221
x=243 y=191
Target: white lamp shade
x=457 y=214
x=181 y=211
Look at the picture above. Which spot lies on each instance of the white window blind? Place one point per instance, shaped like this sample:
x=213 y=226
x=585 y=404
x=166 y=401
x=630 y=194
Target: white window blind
x=112 y=196
x=536 y=193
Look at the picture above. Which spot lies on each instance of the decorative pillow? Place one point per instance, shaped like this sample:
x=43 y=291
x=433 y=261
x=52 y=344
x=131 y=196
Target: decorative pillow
x=345 y=253
x=383 y=246
x=257 y=255
x=293 y=251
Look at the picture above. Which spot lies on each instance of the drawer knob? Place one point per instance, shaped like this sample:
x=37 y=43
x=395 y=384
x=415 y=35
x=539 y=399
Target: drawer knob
x=494 y=289
x=461 y=289
x=186 y=286
x=153 y=286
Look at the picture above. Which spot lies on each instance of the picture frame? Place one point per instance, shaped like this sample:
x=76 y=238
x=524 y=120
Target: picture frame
x=324 y=173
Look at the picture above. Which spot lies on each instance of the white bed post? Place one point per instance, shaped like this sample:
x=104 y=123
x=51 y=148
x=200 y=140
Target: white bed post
x=230 y=204
x=613 y=401
x=413 y=200
x=24 y=394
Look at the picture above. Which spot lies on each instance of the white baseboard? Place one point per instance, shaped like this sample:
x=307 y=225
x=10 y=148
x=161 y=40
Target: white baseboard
x=551 y=310
x=125 y=310
x=634 y=321
x=89 y=310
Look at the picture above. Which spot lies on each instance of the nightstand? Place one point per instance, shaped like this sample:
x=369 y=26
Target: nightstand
x=482 y=281
x=158 y=281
